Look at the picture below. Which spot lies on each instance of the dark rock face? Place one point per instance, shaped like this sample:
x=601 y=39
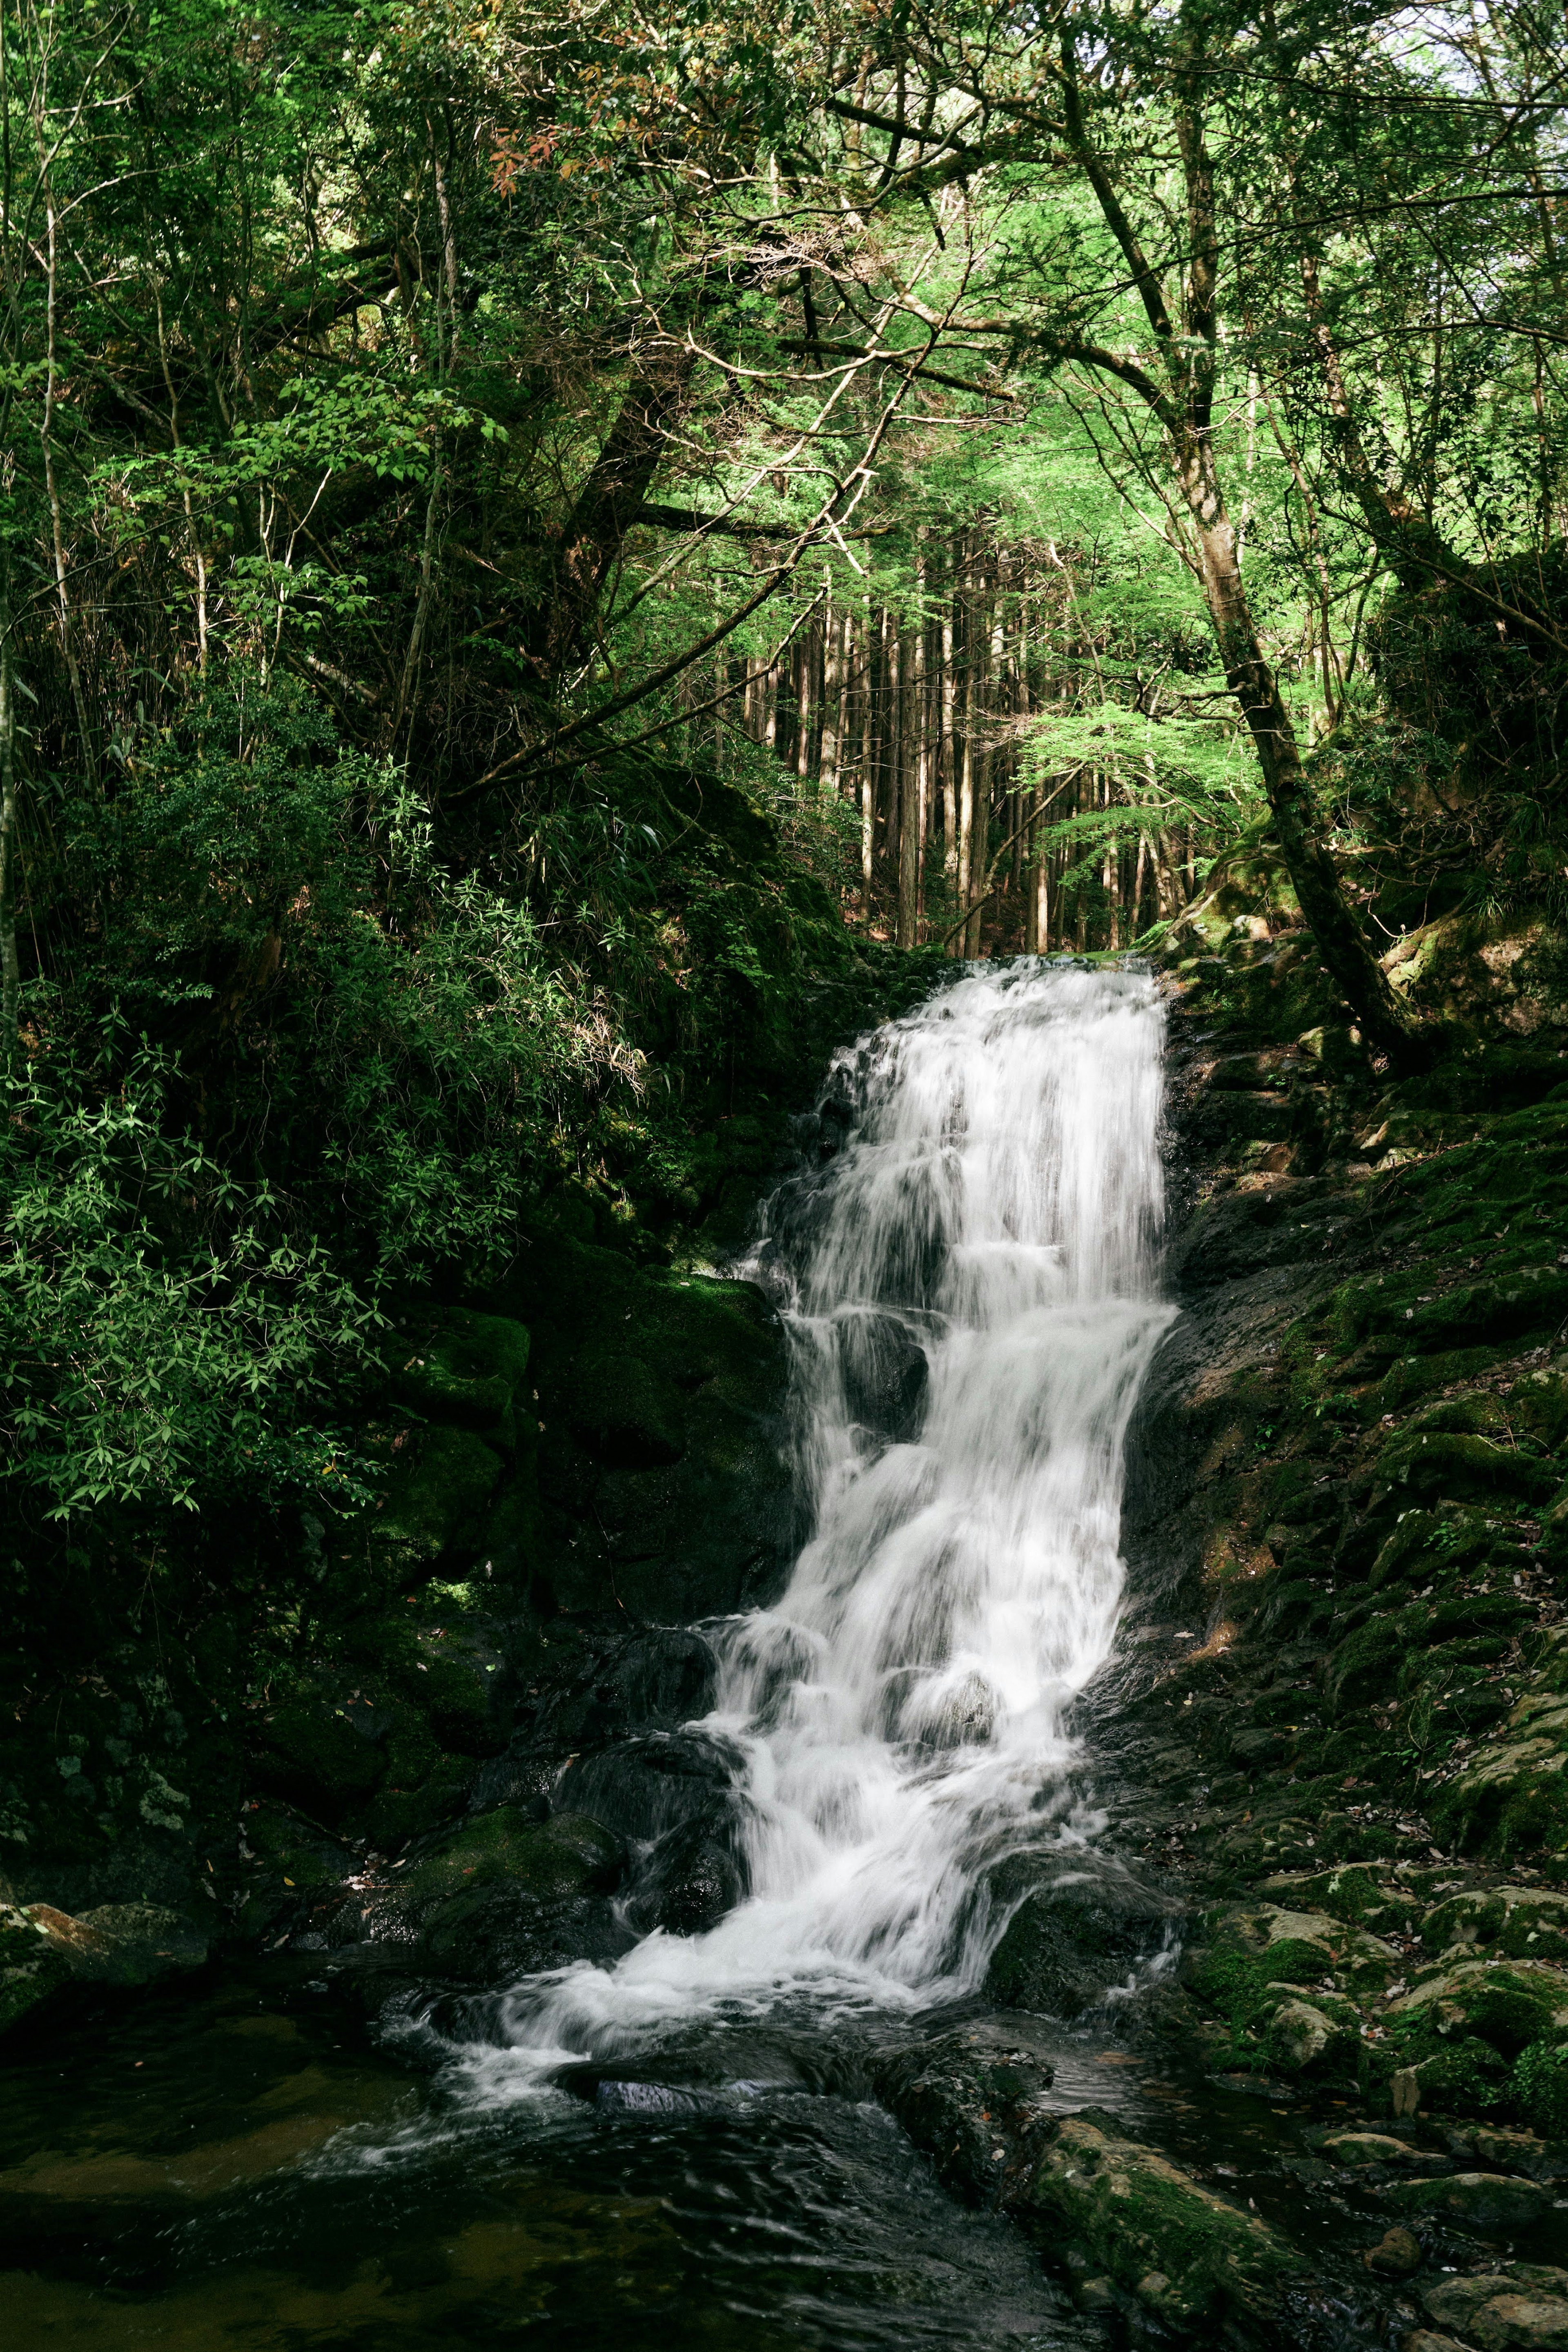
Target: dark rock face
x=1080 y=1929
x=664 y=1487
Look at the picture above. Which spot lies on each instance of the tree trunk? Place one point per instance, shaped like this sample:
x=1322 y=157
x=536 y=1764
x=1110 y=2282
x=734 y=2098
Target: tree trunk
x=10 y=971
x=1251 y=681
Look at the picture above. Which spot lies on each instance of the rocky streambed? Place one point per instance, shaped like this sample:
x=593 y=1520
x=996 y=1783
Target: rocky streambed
x=1278 y=2051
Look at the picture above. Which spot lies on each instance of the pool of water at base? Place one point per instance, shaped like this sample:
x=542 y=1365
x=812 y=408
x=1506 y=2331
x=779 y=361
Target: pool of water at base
x=249 y=2167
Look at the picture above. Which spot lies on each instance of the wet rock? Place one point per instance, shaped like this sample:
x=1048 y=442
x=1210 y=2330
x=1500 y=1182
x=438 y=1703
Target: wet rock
x=1363 y=2151
x=1525 y=2305
x=1188 y=2256
x=643 y=1786
x=1488 y=2203
x=690 y=1877
x=1396 y=2255
x=1072 y=1937
x=969 y=2098
x=884 y=1369
x=505 y=1895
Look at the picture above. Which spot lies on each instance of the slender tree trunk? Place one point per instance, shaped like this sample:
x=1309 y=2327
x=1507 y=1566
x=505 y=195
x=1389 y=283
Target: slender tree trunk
x=10 y=970
x=967 y=780
x=1253 y=681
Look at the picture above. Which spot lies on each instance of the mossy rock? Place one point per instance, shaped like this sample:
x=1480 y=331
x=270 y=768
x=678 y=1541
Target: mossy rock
x=32 y=1969
x=1192 y=2259
x=1485 y=2204
x=1312 y=2035
x=1513 y=1796
x=1427 y=1466
x=470 y=1369
x=309 y=1752
x=1351 y=1892
x=1506 y=2005
x=434 y=1509
x=1540 y=2085
x=404 y=1811
x=566 y=1855
x=1524 y=1922
x=1508 y=2309
x=285 y=1861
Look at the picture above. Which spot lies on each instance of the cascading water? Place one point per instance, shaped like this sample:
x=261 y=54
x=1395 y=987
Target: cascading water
x=969 y=1287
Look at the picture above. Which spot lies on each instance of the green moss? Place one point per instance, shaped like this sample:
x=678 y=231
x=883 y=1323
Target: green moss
x=436 y=1502
x=549 y=1860
x=1540 y=2087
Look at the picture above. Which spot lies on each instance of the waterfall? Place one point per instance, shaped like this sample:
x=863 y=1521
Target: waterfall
x=969 y=1283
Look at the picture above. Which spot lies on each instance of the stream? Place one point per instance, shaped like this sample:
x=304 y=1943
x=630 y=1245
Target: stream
x=675 y=2148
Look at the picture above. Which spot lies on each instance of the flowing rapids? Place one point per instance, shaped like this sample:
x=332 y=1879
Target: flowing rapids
x=969 y=1286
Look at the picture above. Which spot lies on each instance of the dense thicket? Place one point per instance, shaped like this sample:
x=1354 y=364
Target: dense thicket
x=531 y=545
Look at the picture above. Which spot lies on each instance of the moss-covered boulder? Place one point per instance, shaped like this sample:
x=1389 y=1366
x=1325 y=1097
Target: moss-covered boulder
x=1512 y=1796
x=1190 y=2258
x=663 y=1491
x=33 y=1966
x=434 y=1509
x=506 y=1894
x=1520 y=2308
x=470 y=1369
x=319 y=1751
x=1507 y=2004
x=1485 y=2204
x=1527 y=1923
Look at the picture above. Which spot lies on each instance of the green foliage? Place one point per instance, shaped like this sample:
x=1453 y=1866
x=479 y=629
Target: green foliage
x=162 y=1341
x=1541 y=2086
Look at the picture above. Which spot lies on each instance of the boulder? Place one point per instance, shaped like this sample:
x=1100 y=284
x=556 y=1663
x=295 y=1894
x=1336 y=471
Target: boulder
x=1192 y=2259
x=504 y=1896
x=1487 y=2204
x=433 y=1512
x=1396 y=2255
x=1302 y=2037
x=43 y=1950
x=1524 y=2306
x=1525 y=1922
x=1507 y=2004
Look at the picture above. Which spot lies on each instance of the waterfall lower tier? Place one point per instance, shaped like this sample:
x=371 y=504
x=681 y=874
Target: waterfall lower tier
x=968 y=1280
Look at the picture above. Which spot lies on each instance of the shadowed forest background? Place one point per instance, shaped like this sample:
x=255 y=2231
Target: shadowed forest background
x=553 y=564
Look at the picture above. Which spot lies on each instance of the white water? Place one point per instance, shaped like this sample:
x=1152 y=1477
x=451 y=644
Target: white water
x=900 y=1708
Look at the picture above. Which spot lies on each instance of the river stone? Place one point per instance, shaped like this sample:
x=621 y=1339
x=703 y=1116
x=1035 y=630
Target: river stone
x=1359 y=2150
x=1141 y=2218
x=1396 y=2255
x=1489 y=2202
x=1524 y=2306
x=1301 y=2038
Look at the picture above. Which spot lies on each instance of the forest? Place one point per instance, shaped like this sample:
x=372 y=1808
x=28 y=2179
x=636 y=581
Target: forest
x=606 y=614
x=534 y=545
